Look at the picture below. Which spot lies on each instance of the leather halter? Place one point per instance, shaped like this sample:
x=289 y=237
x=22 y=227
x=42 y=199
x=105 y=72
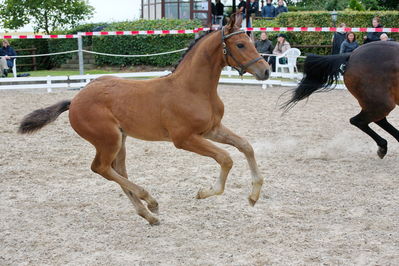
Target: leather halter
x=242 y=68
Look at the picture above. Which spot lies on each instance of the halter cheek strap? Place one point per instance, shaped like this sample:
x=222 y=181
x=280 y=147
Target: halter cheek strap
x=241 y=68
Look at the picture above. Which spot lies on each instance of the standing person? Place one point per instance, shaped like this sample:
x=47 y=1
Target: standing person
x=7 y=60
x=253 y=8
x=264 y=45
x=281 y=47
x=241 y=8
x=268 y=10
x=281 y=8
x=213 y=11
x=219 y=7
x=338 y=38
x=349 y=44
x=373 y=36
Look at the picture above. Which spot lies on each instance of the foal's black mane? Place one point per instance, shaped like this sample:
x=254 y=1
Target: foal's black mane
x=190 y=47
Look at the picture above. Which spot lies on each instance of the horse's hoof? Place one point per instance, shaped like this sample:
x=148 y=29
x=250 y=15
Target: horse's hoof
x=199 y=194
x=251 y=201
x=154 y=221
x=382 y=152
x=153 y=208
x=204 y=193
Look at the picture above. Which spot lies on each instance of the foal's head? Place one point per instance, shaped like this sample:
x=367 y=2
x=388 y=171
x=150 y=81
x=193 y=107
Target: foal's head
x=239 y=51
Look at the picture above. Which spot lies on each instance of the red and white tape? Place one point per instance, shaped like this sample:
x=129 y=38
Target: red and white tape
x=157 y=32
x=323 y=29
x=39 y=36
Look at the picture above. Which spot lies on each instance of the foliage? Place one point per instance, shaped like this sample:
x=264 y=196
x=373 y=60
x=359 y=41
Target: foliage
x=356 y=5
x=144 y=44
x=47 y=15
x=312 y=5
x=323 y=19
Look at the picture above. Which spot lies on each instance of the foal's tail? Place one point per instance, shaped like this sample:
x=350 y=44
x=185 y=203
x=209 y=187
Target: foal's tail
x=41 y=117
x=320 y=73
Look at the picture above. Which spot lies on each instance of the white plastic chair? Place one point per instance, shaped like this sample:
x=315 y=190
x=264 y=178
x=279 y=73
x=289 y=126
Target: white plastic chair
x=291 y=54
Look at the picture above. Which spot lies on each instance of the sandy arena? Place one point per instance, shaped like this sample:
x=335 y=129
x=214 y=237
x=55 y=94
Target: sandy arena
x=327 y=197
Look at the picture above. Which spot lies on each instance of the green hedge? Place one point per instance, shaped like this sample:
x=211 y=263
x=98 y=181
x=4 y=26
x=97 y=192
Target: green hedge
x=41 y=46
x=144 y=44
x=389 y=19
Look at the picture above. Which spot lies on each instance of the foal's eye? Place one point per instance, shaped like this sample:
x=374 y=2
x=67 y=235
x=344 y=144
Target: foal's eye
x=240 y=45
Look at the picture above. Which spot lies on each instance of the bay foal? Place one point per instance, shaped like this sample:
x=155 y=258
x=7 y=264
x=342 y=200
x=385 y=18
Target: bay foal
x=183 y=108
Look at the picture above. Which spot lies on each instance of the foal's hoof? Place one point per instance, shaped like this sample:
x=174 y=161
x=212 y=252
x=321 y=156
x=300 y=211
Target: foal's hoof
x=382 y=151
x=251 y=201
x=203 y=193
x=200 y=194
x=153 y=207
x=154 y=221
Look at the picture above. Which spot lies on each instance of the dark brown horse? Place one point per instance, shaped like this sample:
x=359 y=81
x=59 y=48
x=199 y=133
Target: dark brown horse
x=183 y=108
x=371 y=74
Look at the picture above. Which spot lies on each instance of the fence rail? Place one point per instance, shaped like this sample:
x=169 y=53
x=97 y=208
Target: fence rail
x=79 y=81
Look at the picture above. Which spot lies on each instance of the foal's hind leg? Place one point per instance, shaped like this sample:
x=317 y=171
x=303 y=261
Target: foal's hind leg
x=120 y=167
x=362 y=121
x=107 y=151
x=224 y=135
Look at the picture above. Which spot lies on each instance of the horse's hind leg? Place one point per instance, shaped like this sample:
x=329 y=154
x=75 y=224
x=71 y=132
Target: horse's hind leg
x=107 y=151
x=384 y=124
x=119 y=164
x=224 y=135
x=362 y=121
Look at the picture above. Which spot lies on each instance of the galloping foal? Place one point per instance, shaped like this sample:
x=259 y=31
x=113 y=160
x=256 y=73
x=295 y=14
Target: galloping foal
x=183 y=108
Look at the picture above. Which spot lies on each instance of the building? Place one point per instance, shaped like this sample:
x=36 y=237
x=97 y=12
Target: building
x=179 y=9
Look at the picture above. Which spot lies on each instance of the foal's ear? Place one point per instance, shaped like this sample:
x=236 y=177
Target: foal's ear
x=238 y=22
x=235 y=21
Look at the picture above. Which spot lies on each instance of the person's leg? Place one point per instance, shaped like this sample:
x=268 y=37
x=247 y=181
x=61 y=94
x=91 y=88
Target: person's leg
x=3 y=67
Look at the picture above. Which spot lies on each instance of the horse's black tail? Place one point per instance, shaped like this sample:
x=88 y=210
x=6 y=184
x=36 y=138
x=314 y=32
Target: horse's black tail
x=320 y=73
x=41 y=117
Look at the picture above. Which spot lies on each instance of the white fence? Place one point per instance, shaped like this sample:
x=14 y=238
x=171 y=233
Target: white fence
x=79 y=81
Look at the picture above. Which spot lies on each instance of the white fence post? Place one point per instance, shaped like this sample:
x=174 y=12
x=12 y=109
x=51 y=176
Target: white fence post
x=49 y=85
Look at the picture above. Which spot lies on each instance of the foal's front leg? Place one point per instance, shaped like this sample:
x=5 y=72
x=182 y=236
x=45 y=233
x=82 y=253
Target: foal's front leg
x=198 y=144
x=224 y=135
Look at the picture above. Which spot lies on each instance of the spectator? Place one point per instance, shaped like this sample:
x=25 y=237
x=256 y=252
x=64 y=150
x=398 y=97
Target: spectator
x=219 y=10
x=373 y=36
x=281 y=47
x=264 y=45
x=281 y=8
x=6 y=60
x=213 y=11
x=349 y=44
x=253 y=8
x=268 y=11
x=384 y=37
x=338 y=38
x=241 y=8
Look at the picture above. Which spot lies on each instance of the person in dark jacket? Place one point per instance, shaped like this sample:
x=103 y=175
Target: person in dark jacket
x=253 y=8
x=349 y=44
x=268 y=10
x=7 y=59
x=338 y=39
x=264 y=46
x=281 y=8
x=374 y=36
x=219 y=10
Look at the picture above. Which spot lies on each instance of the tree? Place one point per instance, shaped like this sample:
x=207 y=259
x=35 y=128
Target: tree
x=47 y=15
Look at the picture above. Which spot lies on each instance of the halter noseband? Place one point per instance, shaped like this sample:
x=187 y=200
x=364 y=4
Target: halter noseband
x=242 y=68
